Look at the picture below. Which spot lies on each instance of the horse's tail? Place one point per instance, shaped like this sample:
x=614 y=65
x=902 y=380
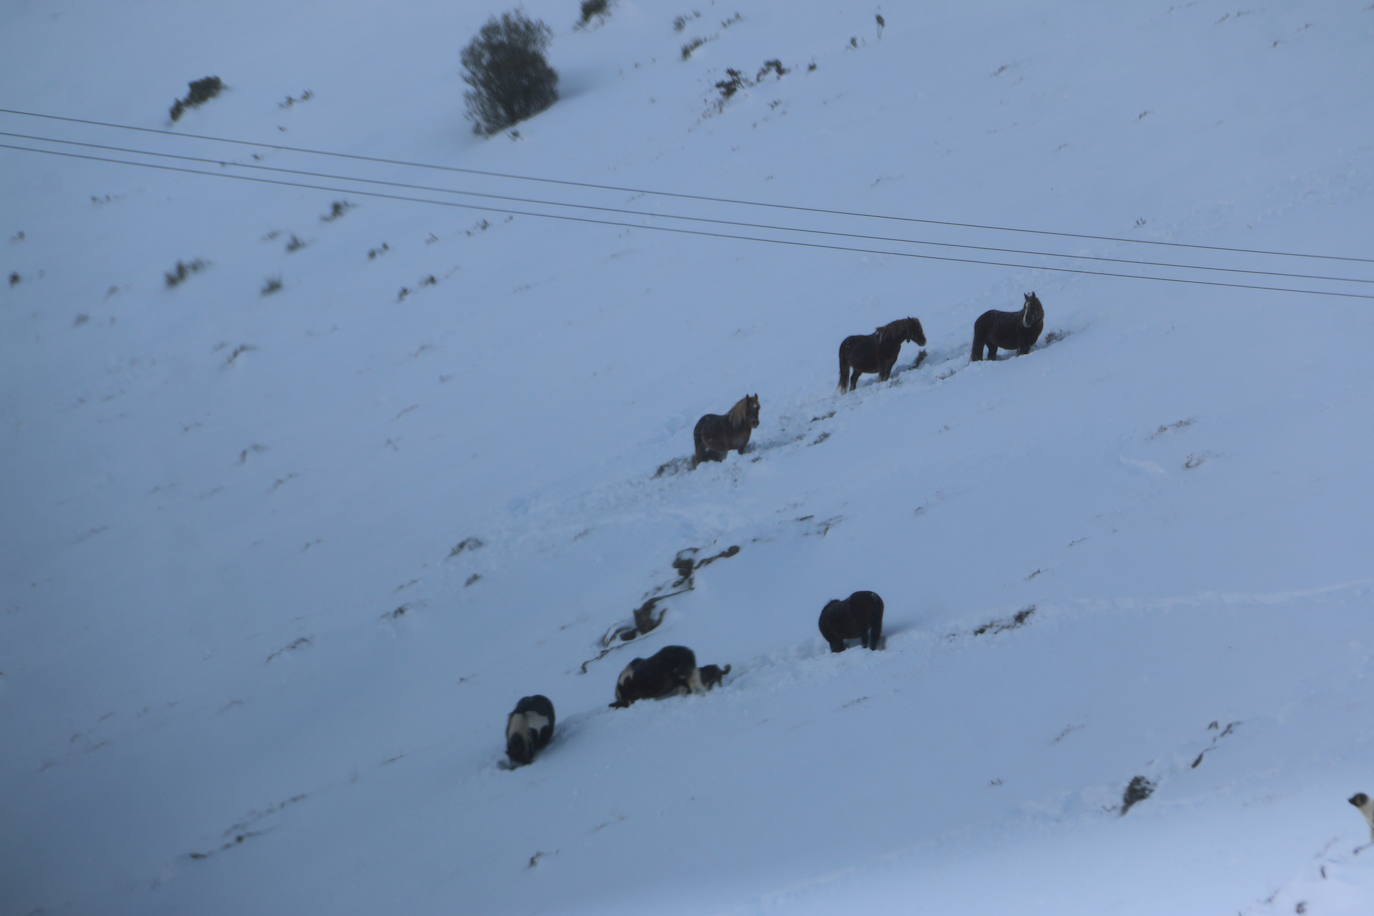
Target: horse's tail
x=977 y=353
x=698 y=446
x=844 y=370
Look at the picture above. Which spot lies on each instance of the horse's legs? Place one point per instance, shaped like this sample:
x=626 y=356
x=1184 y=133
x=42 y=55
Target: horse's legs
x=992 y=350
x=875 y=630
x=854 y=377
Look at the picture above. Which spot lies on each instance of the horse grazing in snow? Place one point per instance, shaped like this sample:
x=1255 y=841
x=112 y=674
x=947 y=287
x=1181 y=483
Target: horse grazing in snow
x=529 y=728
x=669 y=672
x=1009 y=330
x=860 y=616
x=715 y=435
x=877 y=352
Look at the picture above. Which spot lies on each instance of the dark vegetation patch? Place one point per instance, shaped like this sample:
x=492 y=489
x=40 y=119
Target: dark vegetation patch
x=271 y=285
x=1016 y=621
x=306 y=96
x=201 y=91
x=336 y=210
x=1137 y=790
x=1169 y=427
x=1221 y=733
x=465 y=545
x=691 y=46
x=237 y=352
x=293 y=646
x=178 y=274
x=510 y=78
x=592 y=9
x=257 y=448
x=648 y=616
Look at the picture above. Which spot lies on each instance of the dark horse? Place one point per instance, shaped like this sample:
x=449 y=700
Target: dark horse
x=1009 y=330
x=876 y=352
x=860 y=616
x=715 y=435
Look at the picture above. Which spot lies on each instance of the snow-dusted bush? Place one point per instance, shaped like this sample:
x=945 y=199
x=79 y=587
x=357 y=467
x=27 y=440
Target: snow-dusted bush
x=509 y=76
x=201 y=91
x=592 y=8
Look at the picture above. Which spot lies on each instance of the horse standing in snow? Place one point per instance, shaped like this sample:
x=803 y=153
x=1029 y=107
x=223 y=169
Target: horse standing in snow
x=671 y=671
x=877 y=352
x=1009 y=330
x=528 y=729
x=715 y=435
x=860 y=616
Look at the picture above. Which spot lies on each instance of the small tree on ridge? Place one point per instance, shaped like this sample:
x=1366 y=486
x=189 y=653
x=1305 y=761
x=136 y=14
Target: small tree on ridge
x=509 y=76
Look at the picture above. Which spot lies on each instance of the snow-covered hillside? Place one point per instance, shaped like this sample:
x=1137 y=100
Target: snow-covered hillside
x=285 y=542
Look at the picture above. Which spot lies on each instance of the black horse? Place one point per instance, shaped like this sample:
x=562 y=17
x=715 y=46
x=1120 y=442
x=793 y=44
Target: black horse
x=860 y=616
x=529 y=728
x=715 y=435
x=876 y=352
x=1009 y=330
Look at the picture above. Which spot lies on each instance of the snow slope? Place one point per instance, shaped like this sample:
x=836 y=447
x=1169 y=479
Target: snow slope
x=276 y=566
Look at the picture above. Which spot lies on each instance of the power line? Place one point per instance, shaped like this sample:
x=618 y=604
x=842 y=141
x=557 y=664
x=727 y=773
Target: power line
x=698 y=219
x=681 y=231
x=679 y=195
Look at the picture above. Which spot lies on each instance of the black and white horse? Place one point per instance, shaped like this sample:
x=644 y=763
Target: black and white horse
x=529 y=728
x=668 y=672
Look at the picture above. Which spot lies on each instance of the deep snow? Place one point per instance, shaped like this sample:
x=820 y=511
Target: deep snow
x=245 y=667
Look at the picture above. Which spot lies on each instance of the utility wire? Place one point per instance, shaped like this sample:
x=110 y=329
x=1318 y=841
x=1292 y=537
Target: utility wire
x=697 y=219
x=678 y=195
x=694 y=232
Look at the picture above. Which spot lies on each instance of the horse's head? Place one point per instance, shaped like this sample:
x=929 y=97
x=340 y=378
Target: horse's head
x=1032 y=312
x=751 y=410
x=915 y=333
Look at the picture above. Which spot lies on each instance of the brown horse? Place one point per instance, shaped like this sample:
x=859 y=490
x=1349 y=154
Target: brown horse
x=1009 y=330
x=715 y=435
x=877 y=352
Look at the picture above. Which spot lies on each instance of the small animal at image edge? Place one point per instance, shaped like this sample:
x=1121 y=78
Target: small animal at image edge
x=860 y=616
x=877 y=352
x=1365 y=806
x=715 y=435
x=1009 y=330
x=671 y=671
x=529 y=729
x=709 y=676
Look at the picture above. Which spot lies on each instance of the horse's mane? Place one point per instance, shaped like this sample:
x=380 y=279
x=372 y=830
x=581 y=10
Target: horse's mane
x=900 y=328
x=739 y=414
